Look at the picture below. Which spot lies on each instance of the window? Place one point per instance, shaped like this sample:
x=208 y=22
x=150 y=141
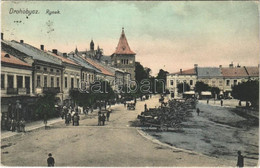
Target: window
x=19 y=81
x=58 y=82
x=235 y=82
x=57 y=71
x=2 y=81
x=92 y=77
x=72 y=83
x=228 y=82
x=83 y=76
x=86 y=77
x=191 y=82
x=45 y=81
x=66 y=82
x=10 y=81
x=52 y=81
x=171 y=82
x=77 y=82
x=38 y=81
x=38 y=67
x=45 y=69
x=51 y=70
x=122 y=61
x=127 y=61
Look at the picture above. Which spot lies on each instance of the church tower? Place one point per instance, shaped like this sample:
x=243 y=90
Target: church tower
x=123 y=57
x=92 y=45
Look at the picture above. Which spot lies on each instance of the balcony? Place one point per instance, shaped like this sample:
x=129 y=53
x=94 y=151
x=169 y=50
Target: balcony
x=51 y=89
x=12 y=91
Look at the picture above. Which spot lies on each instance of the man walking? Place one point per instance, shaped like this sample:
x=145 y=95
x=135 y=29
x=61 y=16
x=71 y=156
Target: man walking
x=50 y=161
x=108 y=113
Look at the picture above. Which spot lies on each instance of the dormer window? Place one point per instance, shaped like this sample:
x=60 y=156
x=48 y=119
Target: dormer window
x=7 y=55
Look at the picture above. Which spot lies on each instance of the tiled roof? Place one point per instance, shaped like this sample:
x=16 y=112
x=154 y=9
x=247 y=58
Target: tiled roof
x=12 y=60
x=99 y=66
x=186 y=72
x=123 y=47
x=63 y=59
x=209 y=72
x=234 y=72
x=81 y=62
x=252 y=71
x=34 y=52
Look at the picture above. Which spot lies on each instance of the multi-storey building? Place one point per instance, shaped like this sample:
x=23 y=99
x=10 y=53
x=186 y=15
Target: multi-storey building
x=187 y=76
x=16 y=87
x=222 y=77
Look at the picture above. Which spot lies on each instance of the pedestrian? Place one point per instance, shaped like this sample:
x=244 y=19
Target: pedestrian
x=207 y=101
x=198 y=111
x=69 y=118
x=239 y=103
x=13 y=124
x=73 y=120
x=22 y=125
x=99 y=118
x=125 y=103
x=221 y=102
x=76 y=119
x=145 y=107
x=45 y=120
x=108 y=114
x=240 y=159
x=103 y=119
x=50 y=160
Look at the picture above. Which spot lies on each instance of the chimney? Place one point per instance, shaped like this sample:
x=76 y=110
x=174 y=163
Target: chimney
x=195 y=65
x=42 y=47
x=21 y=41
x=55 y=51
x=2 y=36
x=220 y=66
x=181 y=71
x=64 y=54
x=231 y=65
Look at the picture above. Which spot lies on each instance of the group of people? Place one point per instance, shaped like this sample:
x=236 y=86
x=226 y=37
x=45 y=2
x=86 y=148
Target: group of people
x=71 y=116
x=18 y=126
x=102 y=118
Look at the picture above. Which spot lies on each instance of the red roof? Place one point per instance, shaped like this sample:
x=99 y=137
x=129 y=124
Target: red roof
x=187 y=72
x=99 y=66
x=7 y=58
x=234 y=72
x=123 y=47
x=253 y=71
x=63 y=59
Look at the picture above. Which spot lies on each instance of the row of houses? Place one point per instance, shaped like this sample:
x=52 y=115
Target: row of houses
x=222 y=77
x=27 y=71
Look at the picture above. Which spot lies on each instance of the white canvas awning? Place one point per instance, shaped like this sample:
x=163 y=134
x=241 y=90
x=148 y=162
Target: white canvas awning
x=206 y=93
x=189 y=93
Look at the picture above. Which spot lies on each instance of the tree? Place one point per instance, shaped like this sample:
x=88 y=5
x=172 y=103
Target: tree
x=140 y=72
x=201 y=86
x=214 y=91
x=161 y=76
x=247 y=91
x=181 y=89
x=45 y=105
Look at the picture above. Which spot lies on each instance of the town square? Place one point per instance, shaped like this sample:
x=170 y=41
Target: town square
x=129 y=84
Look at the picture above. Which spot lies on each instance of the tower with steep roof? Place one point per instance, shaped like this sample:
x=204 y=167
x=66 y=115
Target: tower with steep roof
x=123 y=57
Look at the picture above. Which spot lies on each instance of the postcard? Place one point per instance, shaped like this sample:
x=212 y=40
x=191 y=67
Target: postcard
x=130 y=83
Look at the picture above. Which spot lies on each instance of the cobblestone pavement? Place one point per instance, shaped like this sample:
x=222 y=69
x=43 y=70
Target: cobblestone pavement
x=115 y=144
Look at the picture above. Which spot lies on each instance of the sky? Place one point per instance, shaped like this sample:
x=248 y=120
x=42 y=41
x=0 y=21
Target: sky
x=169 y=35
